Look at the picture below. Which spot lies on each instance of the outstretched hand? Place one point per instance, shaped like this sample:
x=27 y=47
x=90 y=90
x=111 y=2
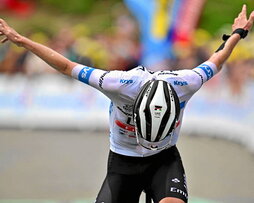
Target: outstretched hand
x=8 y=33
x=242 y=21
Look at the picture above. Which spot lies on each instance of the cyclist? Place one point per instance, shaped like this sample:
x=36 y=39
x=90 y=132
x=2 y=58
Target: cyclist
x=138 y=160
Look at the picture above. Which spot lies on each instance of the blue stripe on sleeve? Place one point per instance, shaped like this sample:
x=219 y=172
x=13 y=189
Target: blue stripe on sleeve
x=85 y=74
x=208 y=70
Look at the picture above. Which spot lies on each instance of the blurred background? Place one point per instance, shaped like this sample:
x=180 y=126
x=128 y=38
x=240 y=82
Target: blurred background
x=54 y=130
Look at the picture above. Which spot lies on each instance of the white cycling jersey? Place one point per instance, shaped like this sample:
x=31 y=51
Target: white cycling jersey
x=122 y=87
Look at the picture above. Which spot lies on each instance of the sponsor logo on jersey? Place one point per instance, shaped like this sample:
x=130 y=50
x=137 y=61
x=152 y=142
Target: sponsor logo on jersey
x=179 y=191
x=180 y=83
x=102 y=79
x=84 y=74
x=123 y=81
x=122 y=131
x=128 y=107
x=176 y=180
x=208 y=70
x=167 y=73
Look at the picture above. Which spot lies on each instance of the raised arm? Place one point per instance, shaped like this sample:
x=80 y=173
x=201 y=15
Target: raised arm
x=241 y=22
x=50 y=56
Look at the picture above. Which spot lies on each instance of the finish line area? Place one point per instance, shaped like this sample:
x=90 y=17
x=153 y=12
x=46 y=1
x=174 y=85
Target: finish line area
x=70 y=166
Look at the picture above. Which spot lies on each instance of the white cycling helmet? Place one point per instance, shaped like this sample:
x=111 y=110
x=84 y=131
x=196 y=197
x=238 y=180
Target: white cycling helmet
x=156 y=111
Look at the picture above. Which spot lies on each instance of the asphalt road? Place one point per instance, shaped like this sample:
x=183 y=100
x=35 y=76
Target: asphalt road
x=71 y=165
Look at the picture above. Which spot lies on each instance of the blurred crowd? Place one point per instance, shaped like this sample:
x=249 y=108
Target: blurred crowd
x=120 y=50
x=117 y=50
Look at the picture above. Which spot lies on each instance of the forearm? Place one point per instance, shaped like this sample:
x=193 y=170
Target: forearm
x=50 y=56
x=54 y=59
x=220 y=57
x=240 y=29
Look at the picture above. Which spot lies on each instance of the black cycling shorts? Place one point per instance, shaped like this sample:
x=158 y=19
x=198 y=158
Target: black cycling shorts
x=161 y=175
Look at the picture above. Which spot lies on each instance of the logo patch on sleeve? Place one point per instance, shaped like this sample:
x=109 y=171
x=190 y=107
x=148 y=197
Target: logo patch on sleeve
x=208 y=70
x=85 y=74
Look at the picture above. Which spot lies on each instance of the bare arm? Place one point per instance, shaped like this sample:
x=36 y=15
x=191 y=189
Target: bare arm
x=241 y=21
x=50 y=56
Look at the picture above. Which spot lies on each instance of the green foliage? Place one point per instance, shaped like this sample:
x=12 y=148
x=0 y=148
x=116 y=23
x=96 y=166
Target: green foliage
x=99 y=15
x=73 y=6
x=220 y=12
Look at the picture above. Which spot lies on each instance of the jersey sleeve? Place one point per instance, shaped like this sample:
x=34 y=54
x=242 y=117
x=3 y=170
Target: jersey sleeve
x=205 y=71
x=105 y=81
x=190 y=80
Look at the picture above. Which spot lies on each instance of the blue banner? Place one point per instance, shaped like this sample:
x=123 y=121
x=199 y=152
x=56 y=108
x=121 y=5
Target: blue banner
x=154 y=18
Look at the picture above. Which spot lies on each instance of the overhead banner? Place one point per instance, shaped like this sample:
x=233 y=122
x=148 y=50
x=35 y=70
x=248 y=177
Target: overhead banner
x=153 y=17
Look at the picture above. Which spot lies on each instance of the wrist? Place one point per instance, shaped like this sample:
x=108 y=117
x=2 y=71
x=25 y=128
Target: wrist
x=241 y=32
x=20 y=40
x=17 y=39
